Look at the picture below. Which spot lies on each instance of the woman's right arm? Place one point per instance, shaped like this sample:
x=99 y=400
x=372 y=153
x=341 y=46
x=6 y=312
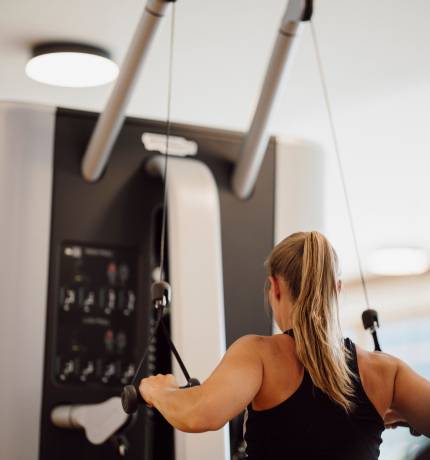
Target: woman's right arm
x=411 y=398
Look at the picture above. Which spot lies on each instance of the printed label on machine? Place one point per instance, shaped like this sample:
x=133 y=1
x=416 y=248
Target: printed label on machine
x=95 y=316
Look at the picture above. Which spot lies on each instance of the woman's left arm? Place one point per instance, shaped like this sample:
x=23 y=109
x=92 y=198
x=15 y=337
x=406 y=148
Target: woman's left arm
x=225 y=394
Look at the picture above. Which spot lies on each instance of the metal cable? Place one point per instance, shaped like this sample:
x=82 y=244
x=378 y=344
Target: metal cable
x=175 y=351
x=139 y=372
x=159 y=317
x=164 y=219
x=168 y=128
x=339 y=160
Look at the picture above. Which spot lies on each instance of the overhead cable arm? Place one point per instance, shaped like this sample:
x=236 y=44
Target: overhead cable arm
x=257 y=138
x=111 y=119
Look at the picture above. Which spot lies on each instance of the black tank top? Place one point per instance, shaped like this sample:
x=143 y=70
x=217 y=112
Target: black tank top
x=309 y=425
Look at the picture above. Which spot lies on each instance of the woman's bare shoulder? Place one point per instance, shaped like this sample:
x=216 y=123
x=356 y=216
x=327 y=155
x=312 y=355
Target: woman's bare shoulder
x=377 y=368
x=249 y=342
x=263 y=343
x=378 y=374
x=378 y=359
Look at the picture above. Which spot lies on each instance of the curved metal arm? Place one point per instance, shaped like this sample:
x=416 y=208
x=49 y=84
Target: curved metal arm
x=257 y=138
x=111 y=119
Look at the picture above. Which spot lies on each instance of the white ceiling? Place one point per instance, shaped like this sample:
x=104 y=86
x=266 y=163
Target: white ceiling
x=377 y=62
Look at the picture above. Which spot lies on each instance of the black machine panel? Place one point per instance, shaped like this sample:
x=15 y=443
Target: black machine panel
x=105 y=239
x=96 y=315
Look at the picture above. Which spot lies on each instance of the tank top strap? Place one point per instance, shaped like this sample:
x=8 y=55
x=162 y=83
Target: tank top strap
x=365 y=409
x=352 y=358
x=289 y=332
x=352 y=361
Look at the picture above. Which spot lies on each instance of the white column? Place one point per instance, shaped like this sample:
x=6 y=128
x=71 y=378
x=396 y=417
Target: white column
x=299 y=188
x=196 y=277
x=26 y=154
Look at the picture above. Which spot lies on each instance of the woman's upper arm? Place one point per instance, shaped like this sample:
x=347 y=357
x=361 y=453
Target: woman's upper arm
x=411 y=398
x=233 y=384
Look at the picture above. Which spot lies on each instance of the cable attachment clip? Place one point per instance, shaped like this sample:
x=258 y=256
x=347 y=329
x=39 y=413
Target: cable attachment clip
x=371 y=323
x=161 y=294
x=370 y=319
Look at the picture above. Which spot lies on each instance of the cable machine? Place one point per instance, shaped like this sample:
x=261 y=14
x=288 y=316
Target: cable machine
x=96 y=289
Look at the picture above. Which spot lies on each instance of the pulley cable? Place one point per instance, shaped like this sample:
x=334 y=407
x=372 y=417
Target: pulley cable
x=369 y=316
x=168 y=129
x=161 y=290
x=339 y=159
x=139 y=370
x=160 y=311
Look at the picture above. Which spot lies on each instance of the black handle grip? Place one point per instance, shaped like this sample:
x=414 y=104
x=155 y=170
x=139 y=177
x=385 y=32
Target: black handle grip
x=412 y=430
x=191 y=383
x=131 y=398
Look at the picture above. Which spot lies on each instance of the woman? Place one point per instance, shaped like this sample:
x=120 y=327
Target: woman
x=308 y=392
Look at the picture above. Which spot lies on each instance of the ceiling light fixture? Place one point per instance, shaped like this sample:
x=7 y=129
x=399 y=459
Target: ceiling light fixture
x=399 y=261
x=71 y=64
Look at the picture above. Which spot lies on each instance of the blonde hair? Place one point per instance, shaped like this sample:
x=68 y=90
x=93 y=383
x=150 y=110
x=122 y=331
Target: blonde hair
x=308 y=264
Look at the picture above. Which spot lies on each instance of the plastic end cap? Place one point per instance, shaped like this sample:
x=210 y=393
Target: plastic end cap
x=161 y=292
x=369 y=317
x=308 y=11
x=191 y=383
x=129 y=399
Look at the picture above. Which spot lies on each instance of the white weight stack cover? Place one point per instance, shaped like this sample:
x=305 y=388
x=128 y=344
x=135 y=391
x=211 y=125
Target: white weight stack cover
x=26 y=155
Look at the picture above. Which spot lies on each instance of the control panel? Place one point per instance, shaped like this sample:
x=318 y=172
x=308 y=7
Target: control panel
x=95 y=330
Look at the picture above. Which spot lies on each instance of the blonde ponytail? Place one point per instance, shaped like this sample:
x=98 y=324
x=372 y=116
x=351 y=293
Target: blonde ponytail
x=308 y=264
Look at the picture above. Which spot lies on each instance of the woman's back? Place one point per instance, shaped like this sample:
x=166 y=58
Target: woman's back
x=337 y=407
x=291 y=418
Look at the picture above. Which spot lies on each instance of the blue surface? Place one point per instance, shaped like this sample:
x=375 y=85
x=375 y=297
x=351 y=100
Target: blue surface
x=409 y=340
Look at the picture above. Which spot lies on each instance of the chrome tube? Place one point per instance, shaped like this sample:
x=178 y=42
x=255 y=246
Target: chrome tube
x=256 y=140
x=111 y=119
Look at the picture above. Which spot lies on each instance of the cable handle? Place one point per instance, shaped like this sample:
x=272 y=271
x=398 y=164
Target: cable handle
x=131 y=398
x=161 y=296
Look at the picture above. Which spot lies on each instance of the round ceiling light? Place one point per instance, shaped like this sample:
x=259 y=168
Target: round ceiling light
x=71 y=65
x=399 y=261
